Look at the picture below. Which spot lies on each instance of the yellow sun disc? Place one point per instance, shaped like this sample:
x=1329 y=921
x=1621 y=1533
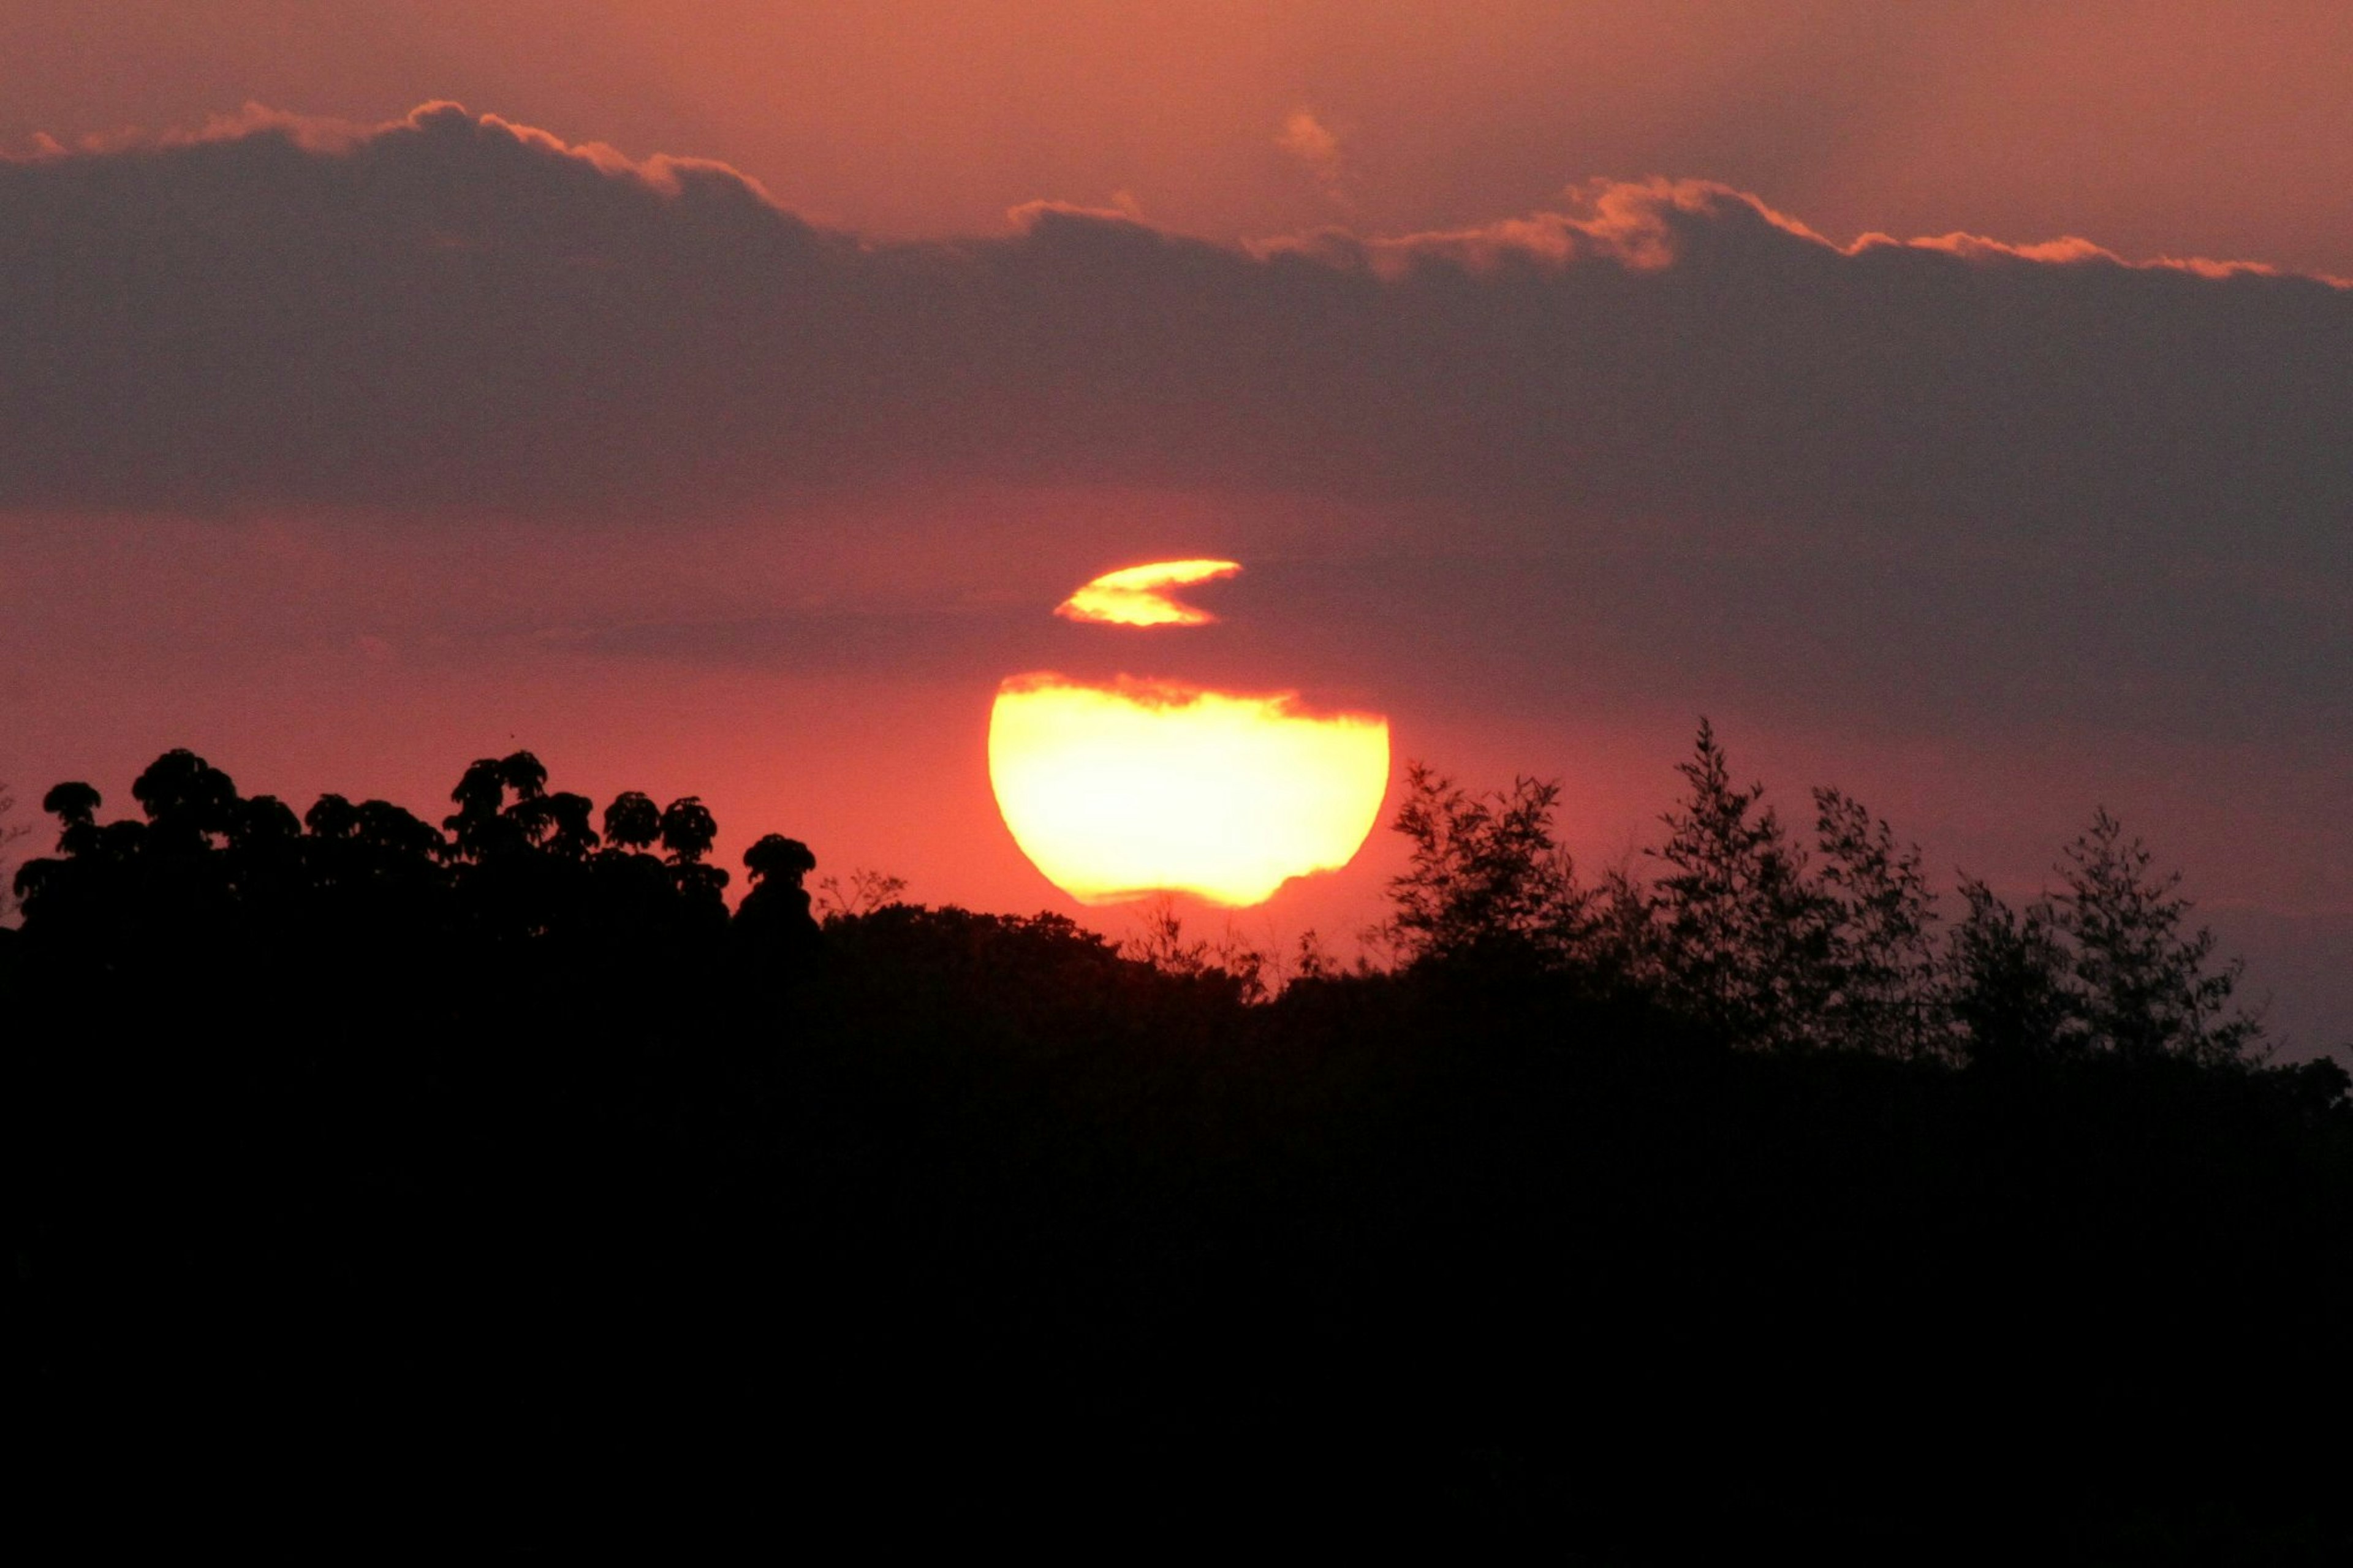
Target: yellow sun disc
x=1129 y=787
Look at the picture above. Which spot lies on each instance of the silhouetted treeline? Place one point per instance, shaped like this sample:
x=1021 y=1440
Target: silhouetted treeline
x=1725 y=1209
x=1731 y=924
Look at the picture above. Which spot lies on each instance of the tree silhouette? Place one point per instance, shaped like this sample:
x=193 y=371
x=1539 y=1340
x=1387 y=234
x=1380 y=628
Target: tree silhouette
x=485 y=826
x=1486 y=879
x=1745 y=938
x=2104 y=967
x=331 y=817
x=2144 y=984
x=394 y=832
x=776 y=909
x=1229 y=959
x=475 y=827
x=687 y=830
x=861 y=893
x=521 y=772
x=1881 y=952
x=262 y=821
x=632 y=821
x=2004 y=981
x=1740 y=932
x=571 y=832
x=776 y=861
x=73 y=804
x=516 y=870
x=186 y=800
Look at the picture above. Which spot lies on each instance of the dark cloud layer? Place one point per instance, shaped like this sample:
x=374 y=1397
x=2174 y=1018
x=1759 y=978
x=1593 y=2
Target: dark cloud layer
x=452 y=313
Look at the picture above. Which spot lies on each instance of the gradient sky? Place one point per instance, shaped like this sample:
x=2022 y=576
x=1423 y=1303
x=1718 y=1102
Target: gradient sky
x=1535 y=359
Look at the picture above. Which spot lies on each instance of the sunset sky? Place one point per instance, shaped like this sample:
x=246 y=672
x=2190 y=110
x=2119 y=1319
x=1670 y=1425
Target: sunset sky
x=724 y=397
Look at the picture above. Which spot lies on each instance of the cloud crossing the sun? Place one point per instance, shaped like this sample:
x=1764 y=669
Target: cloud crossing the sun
x=1139 y=597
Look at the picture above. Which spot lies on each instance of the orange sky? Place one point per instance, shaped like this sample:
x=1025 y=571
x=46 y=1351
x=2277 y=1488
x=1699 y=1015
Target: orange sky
x=1938 y=558
x=2219 y=129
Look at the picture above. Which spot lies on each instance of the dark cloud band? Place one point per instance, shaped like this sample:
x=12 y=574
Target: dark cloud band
x=452 y=312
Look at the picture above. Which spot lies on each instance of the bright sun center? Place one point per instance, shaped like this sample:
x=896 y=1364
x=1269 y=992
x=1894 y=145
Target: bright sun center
x=1122 y=788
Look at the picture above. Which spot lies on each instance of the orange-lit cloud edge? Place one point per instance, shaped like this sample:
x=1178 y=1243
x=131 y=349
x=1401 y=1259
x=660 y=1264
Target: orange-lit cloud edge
x=1632 y=222
x=1639 y=225
x=325 y=135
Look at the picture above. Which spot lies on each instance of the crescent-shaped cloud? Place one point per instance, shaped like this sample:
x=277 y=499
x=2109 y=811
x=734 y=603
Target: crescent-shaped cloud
x=1135 y=597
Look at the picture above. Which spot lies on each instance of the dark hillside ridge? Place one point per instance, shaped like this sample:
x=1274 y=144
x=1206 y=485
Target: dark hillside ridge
x=408 y=1166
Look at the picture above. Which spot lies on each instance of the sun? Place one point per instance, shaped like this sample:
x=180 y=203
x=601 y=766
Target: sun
x=1122 y=788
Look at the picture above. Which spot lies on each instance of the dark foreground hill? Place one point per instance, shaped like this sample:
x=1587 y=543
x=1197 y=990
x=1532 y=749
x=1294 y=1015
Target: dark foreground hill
x=385 y=1188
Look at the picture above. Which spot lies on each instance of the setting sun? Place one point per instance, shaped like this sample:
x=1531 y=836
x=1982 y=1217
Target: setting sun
x=1120 y=788
x=1134 y=786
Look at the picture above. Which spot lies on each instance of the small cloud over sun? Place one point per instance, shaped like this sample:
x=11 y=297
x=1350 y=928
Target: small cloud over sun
x=1135 y=595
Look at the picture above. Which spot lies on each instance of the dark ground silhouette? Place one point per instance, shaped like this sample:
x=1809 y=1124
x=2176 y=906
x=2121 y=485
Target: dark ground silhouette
x=393 y=1167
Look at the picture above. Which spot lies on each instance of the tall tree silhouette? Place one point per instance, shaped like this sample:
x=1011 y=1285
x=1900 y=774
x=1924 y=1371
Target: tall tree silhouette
x=1744 y=938
x=2145 y=984
x=688 y=831
x=1882 y=950
x=2005 y=980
